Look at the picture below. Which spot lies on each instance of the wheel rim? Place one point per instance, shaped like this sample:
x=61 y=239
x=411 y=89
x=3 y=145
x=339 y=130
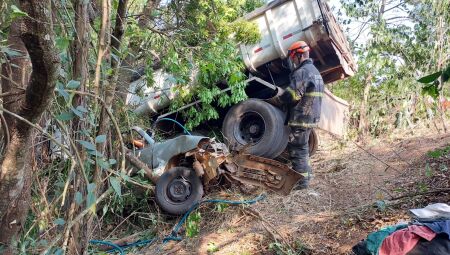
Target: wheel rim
x=179 y=190
x=251 y=128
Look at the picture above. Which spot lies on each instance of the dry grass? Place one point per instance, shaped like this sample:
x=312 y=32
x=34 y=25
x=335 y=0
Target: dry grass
x=337 y=210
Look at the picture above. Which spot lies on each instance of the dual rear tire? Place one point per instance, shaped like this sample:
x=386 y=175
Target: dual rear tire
x=258 y=128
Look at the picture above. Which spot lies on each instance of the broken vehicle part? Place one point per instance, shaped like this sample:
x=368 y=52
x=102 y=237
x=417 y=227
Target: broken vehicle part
x=262 y=172
x=178 y=189
x=186 y=164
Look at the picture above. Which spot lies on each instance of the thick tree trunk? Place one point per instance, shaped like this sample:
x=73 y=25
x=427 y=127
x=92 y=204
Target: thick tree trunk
x=37 y=35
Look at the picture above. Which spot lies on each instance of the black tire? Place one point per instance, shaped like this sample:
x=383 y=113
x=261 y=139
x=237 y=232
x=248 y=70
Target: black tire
x=259 y=124
x=313 y=142
x=168 y=195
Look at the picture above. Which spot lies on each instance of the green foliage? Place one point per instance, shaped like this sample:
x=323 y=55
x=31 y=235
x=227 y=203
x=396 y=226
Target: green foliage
x=282 y=249
x=396 y=50
x=221 y=207
x=201 y=52
x=439 y=152
x=430 y=78
x=212 y=247
x=428 y=170
x=432 y=82
x=193 y=224
x=115 y=184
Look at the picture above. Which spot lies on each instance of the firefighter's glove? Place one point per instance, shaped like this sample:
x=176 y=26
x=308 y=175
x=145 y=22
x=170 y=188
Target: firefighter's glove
x=289 y=96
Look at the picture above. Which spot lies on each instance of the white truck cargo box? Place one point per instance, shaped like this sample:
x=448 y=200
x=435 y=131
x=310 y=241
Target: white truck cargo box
x=283 y=22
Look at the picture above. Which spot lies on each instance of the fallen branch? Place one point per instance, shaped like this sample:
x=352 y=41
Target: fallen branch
x=257 y=215
x=121 y=242
x=393 y=201
x=421 y=194
x=135 y=161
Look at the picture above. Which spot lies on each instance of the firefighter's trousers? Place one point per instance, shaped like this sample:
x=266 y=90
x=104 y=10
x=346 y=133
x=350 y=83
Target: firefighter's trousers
x=298 y=148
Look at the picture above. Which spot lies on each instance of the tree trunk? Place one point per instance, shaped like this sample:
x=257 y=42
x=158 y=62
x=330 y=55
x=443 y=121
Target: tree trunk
x=103 y=42
x=80 y=46
x=36 y=34
x=110 y=89
x=76 y=238
x=129 y=63
x=363 y=122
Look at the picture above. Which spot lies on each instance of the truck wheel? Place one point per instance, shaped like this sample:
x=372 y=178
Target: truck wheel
x=258 y=124
x=178 y=189
x=313 y=142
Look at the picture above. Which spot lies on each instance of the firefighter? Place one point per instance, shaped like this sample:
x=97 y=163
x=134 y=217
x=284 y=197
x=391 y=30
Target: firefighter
x=304 y=99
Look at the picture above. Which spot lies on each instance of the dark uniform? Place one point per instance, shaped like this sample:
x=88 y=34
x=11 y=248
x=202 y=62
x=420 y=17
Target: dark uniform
x=304 y=96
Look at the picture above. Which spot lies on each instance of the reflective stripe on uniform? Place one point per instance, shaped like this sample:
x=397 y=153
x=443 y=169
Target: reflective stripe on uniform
x=302 y=124
x=314 y=94
x=304 y=174
x=293 y=94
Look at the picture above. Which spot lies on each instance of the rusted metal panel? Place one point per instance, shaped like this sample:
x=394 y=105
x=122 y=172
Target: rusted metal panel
x=262 y=172
x=211 y=159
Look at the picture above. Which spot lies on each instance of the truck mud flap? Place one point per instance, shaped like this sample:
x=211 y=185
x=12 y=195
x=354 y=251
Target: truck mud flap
x=262 y=172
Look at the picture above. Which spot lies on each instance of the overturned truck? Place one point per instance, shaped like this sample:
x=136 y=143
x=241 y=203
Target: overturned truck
x=257 y=123
x=254 y=130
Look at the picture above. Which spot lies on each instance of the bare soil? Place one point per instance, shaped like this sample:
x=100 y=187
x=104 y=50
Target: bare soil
x=354 y=191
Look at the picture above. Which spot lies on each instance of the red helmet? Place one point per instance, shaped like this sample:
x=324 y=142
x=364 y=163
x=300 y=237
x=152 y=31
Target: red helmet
x=298 y=47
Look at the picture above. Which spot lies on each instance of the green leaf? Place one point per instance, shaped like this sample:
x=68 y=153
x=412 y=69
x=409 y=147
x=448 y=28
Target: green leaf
x=436 y=153
x=430 y=78
x=17 y=13
x=62 y=43
x=112 y=161
x=446 y=74
x=141 y=172
x=65 y=116
x=73 y=84
x=78 y=198
x=87 y=145
x=221 y=207
x=10 y=52
x=431 y=90
x=91 y=187
x=76 y=112
x=61 y=91
x=100 y=139
x=82 y=109
x=105 y=210
x=212 y=247
x=95 y=153
x=103 y=164
x=115 y=184
x=59 y=221
x=124 y=177
x=90 y=201
x=58 y=251
x=193 y=224
x=428 y=171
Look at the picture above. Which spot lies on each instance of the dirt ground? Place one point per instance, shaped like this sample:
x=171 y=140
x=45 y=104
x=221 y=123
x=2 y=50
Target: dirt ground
x=353 y=193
